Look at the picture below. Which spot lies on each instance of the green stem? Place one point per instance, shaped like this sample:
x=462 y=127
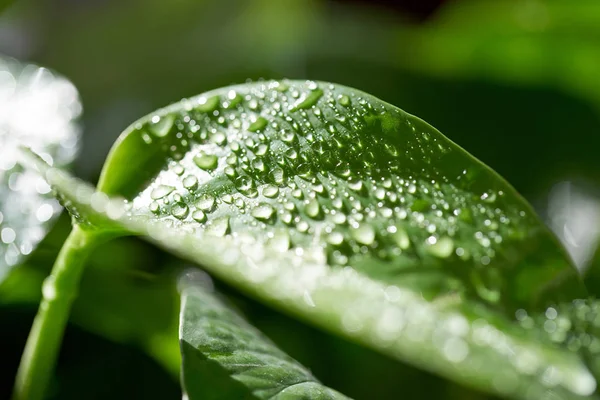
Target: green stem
x=58 y=293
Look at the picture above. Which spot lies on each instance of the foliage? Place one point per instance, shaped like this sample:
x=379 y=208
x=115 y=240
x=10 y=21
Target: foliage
x=255 y=189
x=323 y=202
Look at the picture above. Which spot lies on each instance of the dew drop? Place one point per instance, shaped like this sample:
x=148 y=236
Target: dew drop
x=488 y=197
x=313 y=208
x=258 y=124
x=227 y=198
x=178 y=169
x=270 y=191
x=161 y=126
x=335 y=238
x=278 y=175
x=208 y=104
x=161 y=191
x=258 y=165
x=190 y=182
x=207 y=162
x=180 y=211
x=154 y=207
x=245 y=185
x=364 y=234
x=219 y=227
x=308 y=100
x=345 y=100
x=288 y=137
x=287 y=217
x=263 y=212
x=199 y=216
x=442 y=247
x=206 y=203
x=338 y=218
x=401 y=238
x=262 y=149
x=218 y=138
x=8 y=235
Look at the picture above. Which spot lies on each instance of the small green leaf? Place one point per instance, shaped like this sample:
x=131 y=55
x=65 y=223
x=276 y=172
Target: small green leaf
x=355 y=216
x=242 y=363
x=38 y=110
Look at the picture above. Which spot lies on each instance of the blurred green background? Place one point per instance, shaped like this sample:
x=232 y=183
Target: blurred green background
x=515 y=82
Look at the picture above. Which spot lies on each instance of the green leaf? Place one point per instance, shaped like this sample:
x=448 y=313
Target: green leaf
x=225 y=357
x=574 y=325
x=488 y=353
x=532 y=43
x=332 y=205
x=38 y=110
x=353 y=180
x=4 y=4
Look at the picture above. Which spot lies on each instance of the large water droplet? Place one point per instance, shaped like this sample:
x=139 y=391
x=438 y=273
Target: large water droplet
x=258 y=165
x=205 y=161
x=442 y=247
x=364 y=234
x=180 y=211
x=278 y=175
x=219 y=227
x=190 y=182
x=161 y=126
x=245 y=185
x=161 y=191
x=199 y=216
x=335 y=238
x=258 y=124
x=308 y=100
x=208 y=104
x=345 y=100
x=400 y=237
x=313 y=208
x=263 y=212
x=270 y=191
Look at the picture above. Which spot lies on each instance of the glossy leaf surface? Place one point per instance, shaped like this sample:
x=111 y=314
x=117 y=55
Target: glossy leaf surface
x=342 y=209
x=37 y=109
x=340 y=176
x=225 y=357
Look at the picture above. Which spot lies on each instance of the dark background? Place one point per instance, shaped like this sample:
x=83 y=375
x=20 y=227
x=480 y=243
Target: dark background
x=515 y=82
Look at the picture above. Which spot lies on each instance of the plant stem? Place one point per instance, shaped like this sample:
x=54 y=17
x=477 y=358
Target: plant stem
x=58 y=293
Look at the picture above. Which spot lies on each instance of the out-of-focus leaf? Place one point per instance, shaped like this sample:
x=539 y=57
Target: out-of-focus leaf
x=4 y=4
x=574 y=325
x=538 y=43
x=574 y=216
x=342 y=209
x=225 y=357
x=118 y=299
x=37 y=109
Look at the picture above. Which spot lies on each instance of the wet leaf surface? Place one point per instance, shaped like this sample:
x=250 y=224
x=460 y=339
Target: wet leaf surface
x=225 y=357
x=344 y=210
